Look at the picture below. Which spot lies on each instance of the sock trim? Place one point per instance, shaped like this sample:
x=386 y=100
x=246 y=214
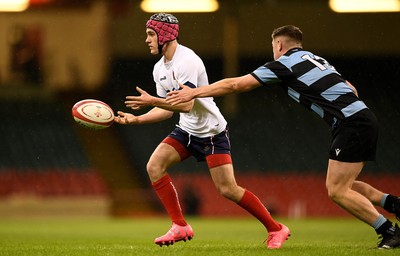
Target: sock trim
x=379 y=222
x=383 y=200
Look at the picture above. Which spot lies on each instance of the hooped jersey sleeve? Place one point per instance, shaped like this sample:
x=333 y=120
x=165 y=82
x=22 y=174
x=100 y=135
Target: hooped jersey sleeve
x=313 y=82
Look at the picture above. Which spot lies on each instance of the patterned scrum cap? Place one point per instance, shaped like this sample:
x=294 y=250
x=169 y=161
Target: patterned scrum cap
x=165 y=25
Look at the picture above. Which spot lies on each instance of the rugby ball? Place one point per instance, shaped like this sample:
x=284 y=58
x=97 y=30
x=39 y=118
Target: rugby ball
x=93 y=114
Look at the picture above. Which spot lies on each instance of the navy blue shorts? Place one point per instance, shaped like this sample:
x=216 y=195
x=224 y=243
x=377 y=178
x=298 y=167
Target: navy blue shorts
x=355 y=138
x=201 y=148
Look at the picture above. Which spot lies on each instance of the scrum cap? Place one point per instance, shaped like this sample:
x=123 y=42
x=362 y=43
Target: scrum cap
x=165 y=25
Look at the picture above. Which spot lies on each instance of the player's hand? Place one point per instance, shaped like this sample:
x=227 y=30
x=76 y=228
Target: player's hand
x=185 y=94
x=139 y=102
x=126 y=118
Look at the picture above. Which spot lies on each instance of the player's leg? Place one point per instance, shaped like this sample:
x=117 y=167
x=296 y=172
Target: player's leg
x=390 y=203
x=339 y=182
x=373 y=195
x=162 y=158
x=224 y=180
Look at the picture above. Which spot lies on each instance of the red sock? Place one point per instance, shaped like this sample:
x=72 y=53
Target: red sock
x=169 y=198
x=253 y=205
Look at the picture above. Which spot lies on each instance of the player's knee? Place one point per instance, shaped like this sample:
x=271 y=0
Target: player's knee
x=155 y=171
x=229 y=192
x=223 y=190
x=335 y=193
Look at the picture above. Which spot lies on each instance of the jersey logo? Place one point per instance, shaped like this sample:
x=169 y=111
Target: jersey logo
x=337 y=150
x=163 y=78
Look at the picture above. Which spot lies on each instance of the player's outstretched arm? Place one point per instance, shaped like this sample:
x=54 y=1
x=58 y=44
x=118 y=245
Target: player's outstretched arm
x=147 y=100
x=220 y=88
x=126 y=118
x=185 y=94
x=155 y=115
x=141 y=101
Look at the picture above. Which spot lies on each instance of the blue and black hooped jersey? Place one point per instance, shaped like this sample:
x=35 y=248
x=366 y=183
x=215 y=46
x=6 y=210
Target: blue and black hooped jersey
x=313 y=82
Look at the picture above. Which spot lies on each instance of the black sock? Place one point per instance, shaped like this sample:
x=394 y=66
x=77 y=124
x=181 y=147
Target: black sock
x=390 y=203
x=386 y=229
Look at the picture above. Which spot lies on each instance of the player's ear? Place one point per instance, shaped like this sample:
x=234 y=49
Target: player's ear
x=280 y=45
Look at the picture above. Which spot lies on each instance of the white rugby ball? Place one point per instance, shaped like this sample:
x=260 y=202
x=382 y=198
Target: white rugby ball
x=93 y=114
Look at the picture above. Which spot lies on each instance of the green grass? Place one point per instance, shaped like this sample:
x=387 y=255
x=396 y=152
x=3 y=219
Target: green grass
x=219 y=237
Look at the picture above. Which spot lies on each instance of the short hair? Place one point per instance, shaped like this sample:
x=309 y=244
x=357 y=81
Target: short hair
x=290 y=31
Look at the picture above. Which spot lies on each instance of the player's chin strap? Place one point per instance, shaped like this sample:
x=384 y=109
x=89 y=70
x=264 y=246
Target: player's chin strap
x=160 y=49
x=161 y=46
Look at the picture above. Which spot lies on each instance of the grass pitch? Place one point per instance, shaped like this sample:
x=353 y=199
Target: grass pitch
x=219 y=237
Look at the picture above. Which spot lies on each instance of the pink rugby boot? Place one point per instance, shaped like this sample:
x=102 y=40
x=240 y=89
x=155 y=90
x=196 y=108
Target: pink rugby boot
x=276 y=239
x=175 y=234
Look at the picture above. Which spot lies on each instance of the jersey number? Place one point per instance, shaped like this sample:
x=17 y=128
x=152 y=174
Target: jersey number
x=316 y=61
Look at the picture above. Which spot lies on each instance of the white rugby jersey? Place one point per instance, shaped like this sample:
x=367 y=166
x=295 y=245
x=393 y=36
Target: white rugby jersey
x=205 y=119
